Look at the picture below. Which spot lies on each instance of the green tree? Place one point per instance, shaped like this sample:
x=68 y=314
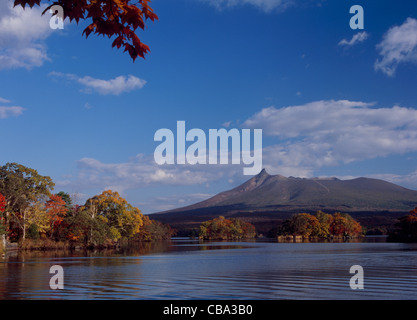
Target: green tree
x=22 y=187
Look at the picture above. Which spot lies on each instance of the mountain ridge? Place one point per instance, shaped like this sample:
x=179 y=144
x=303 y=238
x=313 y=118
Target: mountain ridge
x=271 y=198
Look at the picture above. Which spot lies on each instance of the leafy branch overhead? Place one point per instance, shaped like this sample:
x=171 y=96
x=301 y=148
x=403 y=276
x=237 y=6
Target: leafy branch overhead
x=119 y=18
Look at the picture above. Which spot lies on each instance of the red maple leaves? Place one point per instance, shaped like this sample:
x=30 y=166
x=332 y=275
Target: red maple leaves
x=120 y=18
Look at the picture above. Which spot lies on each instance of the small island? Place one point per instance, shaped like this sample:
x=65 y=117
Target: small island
x=226 y=229
x=321 y=226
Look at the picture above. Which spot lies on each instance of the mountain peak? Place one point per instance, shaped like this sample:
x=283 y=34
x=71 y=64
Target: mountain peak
x=262 y=173
x=257 y=180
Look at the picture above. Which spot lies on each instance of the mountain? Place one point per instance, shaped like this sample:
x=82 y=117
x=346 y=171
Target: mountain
x=265 y=200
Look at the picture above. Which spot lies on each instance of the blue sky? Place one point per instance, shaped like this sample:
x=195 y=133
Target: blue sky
x=331 y=101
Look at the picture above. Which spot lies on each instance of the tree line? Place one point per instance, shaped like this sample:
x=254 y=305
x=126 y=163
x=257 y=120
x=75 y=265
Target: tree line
x=226 y=229
x=29 y=210
x=321 y=225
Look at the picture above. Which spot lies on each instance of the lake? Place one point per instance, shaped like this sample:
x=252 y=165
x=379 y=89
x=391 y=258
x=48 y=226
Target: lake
x=189 y=269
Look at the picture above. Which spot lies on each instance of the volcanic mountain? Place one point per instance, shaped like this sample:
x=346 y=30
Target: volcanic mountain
x=265 y=200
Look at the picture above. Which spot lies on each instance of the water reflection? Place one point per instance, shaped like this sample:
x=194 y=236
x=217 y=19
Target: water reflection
x=192 y=269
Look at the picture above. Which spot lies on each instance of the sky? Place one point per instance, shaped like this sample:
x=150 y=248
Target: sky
x=330 y=100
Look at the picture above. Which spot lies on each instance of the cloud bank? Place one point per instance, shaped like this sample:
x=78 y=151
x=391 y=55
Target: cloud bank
x=22 y=35
x=329 y=133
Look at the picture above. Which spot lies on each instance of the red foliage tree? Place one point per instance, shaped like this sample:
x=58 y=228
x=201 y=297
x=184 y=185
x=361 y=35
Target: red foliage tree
x=56 y=210
x=2 y=209
x=2 y=203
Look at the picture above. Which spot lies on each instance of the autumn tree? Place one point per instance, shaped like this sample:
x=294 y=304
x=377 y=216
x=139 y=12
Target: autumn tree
x=38 y=221
x=2 y=203
x=122 y=219
x=2 y=209
x=21 y=187
x=56 y=211
x=344 y=225
x=321 y=225
x=80 y=225
x=112 y=18
x=154 y=230
x=304 y=224
x=325 y=220
x=67 y=198
x=226 y=229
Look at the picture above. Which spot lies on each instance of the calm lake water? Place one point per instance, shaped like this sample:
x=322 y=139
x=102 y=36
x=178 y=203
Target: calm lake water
x=187 y=269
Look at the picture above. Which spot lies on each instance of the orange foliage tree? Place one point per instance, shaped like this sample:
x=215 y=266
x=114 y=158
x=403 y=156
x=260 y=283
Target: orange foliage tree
x=226 y=229
x=119 y=18
x=56 y=210
x=305 y=225
x=344 y=225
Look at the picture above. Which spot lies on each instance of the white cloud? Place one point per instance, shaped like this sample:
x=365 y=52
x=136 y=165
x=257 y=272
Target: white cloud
x=328 y=133
x=114 y=86
x=2 y=100
x=263 y=5
x=142 y=171
x=357 y=38
x=22 y=35
x=399 y=45
x=7 y=112
x=163 y=203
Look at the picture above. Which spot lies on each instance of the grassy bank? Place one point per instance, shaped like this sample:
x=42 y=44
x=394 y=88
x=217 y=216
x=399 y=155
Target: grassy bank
x=44 y=244
x=48 y=244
